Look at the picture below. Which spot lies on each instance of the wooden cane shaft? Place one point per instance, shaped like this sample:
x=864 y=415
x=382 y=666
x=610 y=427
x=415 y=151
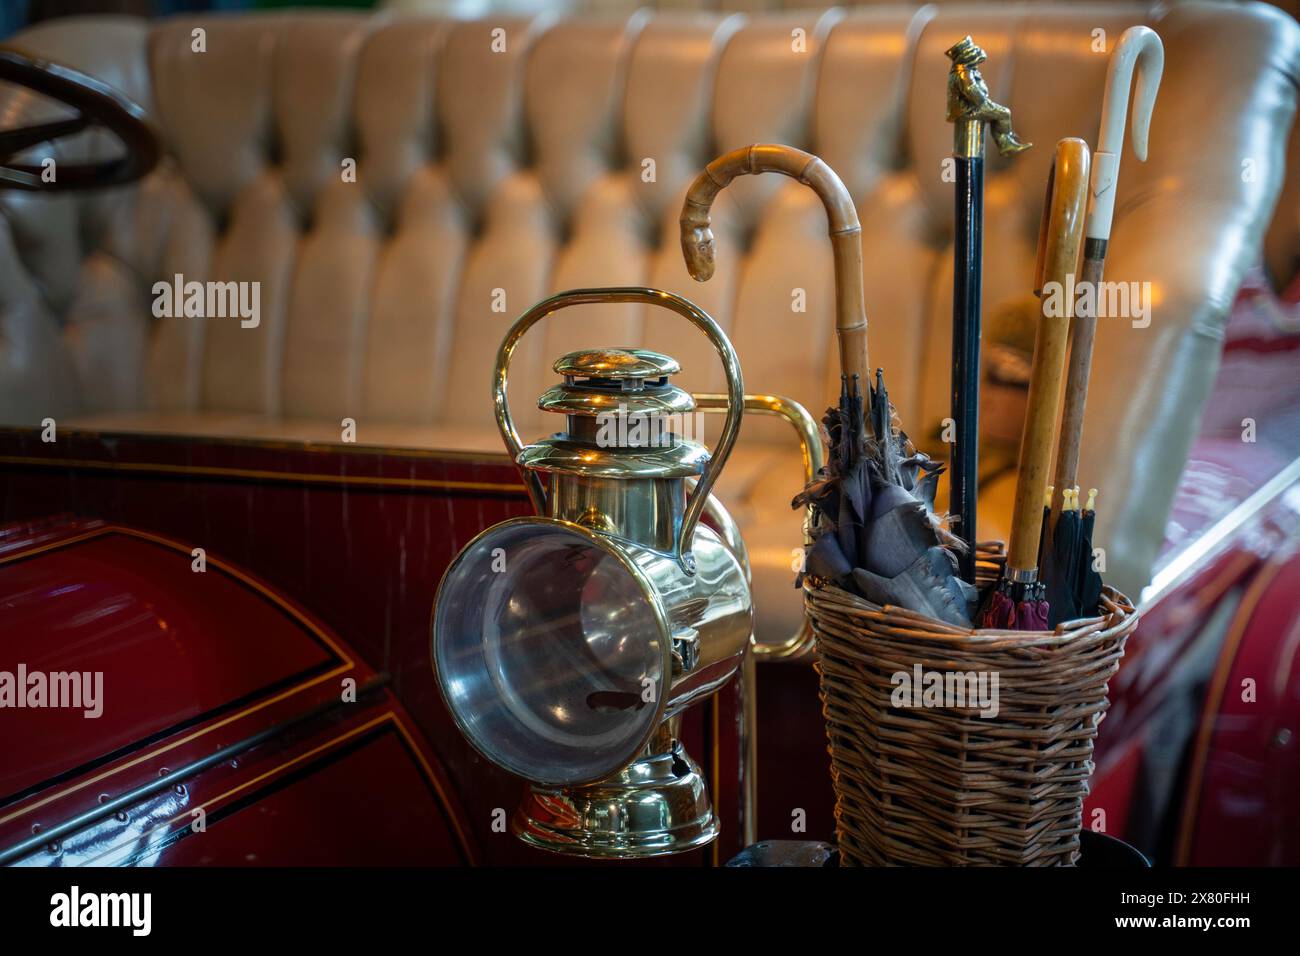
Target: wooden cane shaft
x=1036 y=443
x=1076 y=382
x=1067 y=203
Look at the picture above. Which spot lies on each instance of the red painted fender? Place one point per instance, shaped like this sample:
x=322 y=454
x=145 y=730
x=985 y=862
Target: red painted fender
x=162 y=707
x=1245 y=768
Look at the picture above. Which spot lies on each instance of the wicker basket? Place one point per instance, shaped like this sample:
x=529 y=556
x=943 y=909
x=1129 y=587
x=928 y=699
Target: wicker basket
x=943 y=785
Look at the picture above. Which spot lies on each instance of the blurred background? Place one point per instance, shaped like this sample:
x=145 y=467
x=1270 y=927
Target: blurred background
x=15 y=14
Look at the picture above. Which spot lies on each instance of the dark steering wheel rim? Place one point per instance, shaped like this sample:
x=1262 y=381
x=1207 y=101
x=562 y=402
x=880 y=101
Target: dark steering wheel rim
x=97 y=105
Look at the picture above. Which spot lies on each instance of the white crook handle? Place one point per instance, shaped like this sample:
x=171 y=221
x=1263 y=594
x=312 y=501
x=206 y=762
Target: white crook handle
x=1139 y=47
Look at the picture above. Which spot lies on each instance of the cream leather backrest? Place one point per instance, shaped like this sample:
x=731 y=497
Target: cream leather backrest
x=498 y=161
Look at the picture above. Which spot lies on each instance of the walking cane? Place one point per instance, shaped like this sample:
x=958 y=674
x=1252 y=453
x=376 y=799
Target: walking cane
x=1140 y=47
x=969 y=109
x=1072 y=583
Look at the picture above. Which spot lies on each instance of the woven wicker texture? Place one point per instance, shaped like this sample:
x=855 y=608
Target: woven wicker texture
x=943 y=785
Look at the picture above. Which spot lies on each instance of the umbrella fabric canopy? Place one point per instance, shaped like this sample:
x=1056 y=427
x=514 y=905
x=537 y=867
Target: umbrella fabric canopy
x=874 y=531
x=1060 y=569
x=1088 y=589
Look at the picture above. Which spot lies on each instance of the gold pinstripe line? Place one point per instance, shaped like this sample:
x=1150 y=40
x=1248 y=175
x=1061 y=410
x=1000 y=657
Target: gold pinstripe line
x=255 y=474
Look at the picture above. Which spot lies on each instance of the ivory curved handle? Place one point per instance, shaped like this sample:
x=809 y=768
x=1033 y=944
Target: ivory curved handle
x=1138 y=48
x=844 y=228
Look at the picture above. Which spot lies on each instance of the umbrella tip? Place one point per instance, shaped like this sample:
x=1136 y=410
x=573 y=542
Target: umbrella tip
x=1047 y=497
x=1092 y=500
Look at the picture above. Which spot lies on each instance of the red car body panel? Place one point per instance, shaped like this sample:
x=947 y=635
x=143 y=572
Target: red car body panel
x=196 y=666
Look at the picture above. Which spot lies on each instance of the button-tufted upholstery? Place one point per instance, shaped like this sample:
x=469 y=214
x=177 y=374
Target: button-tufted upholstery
x=496 y=168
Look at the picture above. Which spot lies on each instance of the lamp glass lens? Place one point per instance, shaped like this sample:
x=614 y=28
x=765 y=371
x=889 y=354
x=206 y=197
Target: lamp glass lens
x=549 y=652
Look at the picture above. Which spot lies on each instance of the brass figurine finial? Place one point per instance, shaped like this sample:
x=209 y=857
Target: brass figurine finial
x=969 y=105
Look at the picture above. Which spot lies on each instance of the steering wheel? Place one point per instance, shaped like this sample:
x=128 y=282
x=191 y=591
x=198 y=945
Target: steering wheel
x=96 y=105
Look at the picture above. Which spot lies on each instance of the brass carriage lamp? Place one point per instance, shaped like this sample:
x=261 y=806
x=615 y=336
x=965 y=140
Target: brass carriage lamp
x=567 y=644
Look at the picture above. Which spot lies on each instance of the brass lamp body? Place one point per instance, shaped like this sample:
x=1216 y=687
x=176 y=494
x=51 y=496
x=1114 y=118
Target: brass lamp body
x=567 y=644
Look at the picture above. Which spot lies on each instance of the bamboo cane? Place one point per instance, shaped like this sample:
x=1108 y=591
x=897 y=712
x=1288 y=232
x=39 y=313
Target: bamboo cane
x=844 y=228
x=1059 y=243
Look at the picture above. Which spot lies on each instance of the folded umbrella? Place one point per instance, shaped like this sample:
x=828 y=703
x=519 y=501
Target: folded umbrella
x=1019 y=601
x=1088 y=587
x=874 y=530
x=1060 y=568
x=873 y=524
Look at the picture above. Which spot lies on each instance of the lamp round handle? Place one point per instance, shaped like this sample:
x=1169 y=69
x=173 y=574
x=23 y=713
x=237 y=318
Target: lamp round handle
x=666 y=300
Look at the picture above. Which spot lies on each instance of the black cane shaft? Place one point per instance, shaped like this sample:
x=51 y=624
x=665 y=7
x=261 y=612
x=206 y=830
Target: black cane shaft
x=964 y=473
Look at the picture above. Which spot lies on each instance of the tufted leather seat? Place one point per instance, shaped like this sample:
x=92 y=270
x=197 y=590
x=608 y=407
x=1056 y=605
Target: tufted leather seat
x=489 y=176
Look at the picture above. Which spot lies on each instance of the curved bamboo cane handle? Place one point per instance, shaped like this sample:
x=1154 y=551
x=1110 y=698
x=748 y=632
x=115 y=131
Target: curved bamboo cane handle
x=1059 y=241
x=845 y=233
x=1139 y=48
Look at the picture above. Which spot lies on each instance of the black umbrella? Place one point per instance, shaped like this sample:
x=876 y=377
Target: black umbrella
x=1060 y=571
x=1088 y=590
